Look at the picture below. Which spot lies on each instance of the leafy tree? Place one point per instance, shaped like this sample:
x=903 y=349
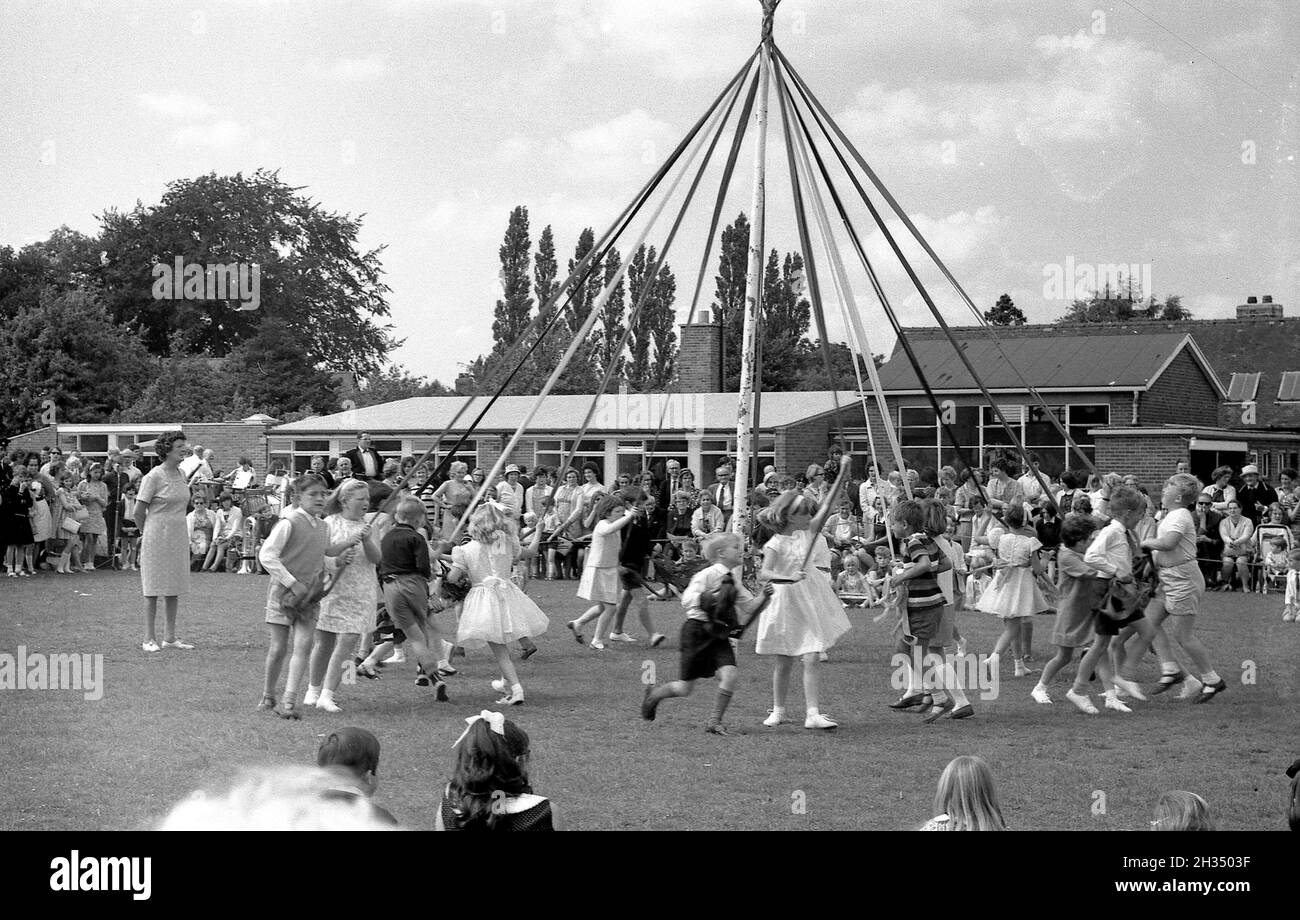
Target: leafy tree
x=314 y=280
x=394 y=383
x=511 y=317
x=272 y=375
x=67 y=349
x=609 y=328
x=1123 y=306
x=191 y=388
x=639 y=354
x=661 y=320
x=729 y=296
x=67 y=261
x=1004 y=313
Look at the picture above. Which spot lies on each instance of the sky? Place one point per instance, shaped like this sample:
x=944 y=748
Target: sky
x=1020 y=137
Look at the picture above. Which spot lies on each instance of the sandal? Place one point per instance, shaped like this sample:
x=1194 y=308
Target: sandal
x=939 y=711
x=267 y=704
x=913 y=699
x=288 y=711
x=367 y=671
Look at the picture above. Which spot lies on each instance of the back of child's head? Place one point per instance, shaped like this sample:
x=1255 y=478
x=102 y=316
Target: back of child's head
x=1014 y=516
x=489 y=524
x=1077 y=529
x=1189 y=488
x=912 y=513
x=1082 y=505
x=777 y=515
x=713 y=544
x=966 y=794
x=379 y=493
x=936 y=517
x=1178 y=810
x=488 y=765
x=410 y=510
x=1126 y=500
x=354 y=748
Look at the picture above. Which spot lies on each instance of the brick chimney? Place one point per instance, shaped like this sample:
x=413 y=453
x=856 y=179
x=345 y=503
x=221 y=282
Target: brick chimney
x=699 y=355
x=1253 y=309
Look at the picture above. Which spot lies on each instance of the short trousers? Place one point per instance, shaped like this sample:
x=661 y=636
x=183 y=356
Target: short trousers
x=385 y=629
x=926 y=624
x=1107 y=626
x=703 y=655
x=407 y=600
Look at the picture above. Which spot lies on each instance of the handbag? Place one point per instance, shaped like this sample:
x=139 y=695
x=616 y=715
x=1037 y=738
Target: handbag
x=70 y=525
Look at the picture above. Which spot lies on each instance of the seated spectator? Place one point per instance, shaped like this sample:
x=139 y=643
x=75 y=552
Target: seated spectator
x=201 y=523
x=227 y=532
x=1238 y=536
x=1209 y=544
x=966 y=799
x=707 y=518
x=320 y=466
x=1182 y=811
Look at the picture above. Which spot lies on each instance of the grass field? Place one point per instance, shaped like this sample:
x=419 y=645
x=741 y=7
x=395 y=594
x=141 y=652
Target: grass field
x=174 y=721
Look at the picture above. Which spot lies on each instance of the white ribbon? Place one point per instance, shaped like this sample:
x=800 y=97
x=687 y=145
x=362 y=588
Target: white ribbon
x=495 y=720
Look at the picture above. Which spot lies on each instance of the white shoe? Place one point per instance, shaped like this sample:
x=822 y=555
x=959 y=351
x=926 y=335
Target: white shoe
x=398 y=657
x=775 y=718
x=1191 y=688
x=597 y=645
x=658 y=639
x=1116 y=705
x=823 y=657
x=177 y=643
x=1039 y=693
x=819 y=721
x=1131 y=687
x=511 y=699
x=1084 y=704
x=150 y=646
x=311 y=697
x=328 y=705
x=961 y=648
x=621 y=637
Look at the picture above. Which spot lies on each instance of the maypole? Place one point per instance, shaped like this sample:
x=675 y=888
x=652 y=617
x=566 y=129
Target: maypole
x=753 y=283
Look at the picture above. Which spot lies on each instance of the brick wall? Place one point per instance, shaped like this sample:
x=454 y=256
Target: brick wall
x=1151 y=458
x=699 y=358
x=229 y=441
x=33 y=441
x=1182 y=395
x=799 y=445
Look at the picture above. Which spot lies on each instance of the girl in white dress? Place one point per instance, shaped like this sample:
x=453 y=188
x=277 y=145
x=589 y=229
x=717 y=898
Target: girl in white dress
x=348 y=611
x=1013 y=595
x=495 y=612
x=805 y=618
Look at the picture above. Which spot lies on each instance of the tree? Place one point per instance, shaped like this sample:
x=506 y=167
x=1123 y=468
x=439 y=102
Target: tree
x=67 y=261
x=729 y=296
x=1004 y=313
x=272 y=375
x=661 y=320
x=67 y=350
x=394 y=383
x=313 y=280
x=192 y=388
x=1122 y=306
x=608 y=332
x=584 y=294
x=511 y=316
x=639 y=355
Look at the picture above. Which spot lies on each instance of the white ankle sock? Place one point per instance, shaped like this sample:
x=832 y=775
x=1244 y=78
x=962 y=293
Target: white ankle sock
x=517 y=689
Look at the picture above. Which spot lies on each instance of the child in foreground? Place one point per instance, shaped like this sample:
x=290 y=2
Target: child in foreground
x=489 y=788
x=712 y=600
x=966 y=799
x=353 y=753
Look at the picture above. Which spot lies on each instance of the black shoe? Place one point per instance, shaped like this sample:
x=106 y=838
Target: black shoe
x=649 y=706
x=717 y=728
x=1169 y=681
x=1210 y=691
x=944 y=709
x=440 y=691
x=964 y=712
x=421 y=678
x=912 y=699
x=528 y=653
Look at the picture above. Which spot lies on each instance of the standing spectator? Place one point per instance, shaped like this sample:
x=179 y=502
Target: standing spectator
x=164 y=544
x=319 y=466
x=134 y=473
x=1220 y=491
x=42 y=520
x=75 y=465
x=687 y=480
x=832 y=465
x=15 y=522
x=366 y=462
x=723 y=492
x=1030 y=486
x=1256 y=495
x=510 y=494
x=524 y=479
x=818 y=485
x=1003 y=491
x=93 y=495
x=70 y=509
x=538 y=491
x=1182 y=466
x=189 y=466
x=454 y=496
x=672 y=482
x=114 y=480
x=56 y=456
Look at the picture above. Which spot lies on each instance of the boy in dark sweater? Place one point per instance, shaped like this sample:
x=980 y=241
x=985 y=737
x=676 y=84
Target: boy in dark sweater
x=404 y=572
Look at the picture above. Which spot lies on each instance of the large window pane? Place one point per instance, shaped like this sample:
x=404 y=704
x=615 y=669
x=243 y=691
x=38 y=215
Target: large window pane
x=1040 y=431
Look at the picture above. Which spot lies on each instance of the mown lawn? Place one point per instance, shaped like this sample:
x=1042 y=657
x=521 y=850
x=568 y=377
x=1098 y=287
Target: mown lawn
x=174 y=721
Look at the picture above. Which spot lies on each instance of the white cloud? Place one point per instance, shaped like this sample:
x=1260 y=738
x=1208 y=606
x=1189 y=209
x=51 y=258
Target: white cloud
x=348 y=70
x=176 y=105
x=222 y=134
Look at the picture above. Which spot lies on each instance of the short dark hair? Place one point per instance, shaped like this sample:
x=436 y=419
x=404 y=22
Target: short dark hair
x=162 y=446
x=1076 y=528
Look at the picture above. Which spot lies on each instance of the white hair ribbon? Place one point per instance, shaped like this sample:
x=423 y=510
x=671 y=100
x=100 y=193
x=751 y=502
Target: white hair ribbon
x=495 y=720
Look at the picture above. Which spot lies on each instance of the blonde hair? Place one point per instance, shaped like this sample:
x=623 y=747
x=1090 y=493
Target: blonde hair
x=1189 y=488
x=457 y=468
x=777 y=515
x=711 y=546
x=967 y=796
x=1182 y=811
x=1125 y=499
x=335 y=503
x=489 y=524
x=410 y=510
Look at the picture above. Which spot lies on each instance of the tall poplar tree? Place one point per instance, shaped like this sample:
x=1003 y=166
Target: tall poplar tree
x=511 y=316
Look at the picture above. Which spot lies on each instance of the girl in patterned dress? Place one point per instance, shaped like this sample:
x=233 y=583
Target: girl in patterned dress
x=805 y=618
x=1013 y=595
x=348 y=610
x=495 y=612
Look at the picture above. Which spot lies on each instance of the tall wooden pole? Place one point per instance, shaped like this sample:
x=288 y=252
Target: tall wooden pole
x=753 y=283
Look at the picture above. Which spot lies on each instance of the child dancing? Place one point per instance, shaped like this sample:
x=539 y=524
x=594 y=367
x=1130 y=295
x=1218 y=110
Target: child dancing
x=712 y=600
x=1013 y=595
x=805 y=618
x=1080 y=588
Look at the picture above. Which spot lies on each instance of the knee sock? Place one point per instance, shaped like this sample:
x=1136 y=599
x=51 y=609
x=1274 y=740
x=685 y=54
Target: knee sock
x=720 y=704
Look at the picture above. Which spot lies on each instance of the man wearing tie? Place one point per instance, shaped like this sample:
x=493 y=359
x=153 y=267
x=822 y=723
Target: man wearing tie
x=366 y=462
x=723 y=493
x=672 y=482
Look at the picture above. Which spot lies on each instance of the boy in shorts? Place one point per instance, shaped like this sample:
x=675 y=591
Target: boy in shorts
x=404 y=573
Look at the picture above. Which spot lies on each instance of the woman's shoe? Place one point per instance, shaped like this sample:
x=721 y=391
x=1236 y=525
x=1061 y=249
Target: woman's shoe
x=776 y=717
x=911 y=700
x=177 y=643
x=820 y=722
x=367 y=671
x=151 y=646
x=1210 y=691
x=328 y=705
x=963 y=712
x=287 y=710
x=572 y=626
x=511 y=699
x=267 y=704
x=939 y=711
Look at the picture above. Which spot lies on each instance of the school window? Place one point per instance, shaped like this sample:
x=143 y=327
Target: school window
x=303 y=450
x=551 y=453
x=1242 y=387
x=1289 y=389
x=467 y=453
x=390 y=449
x=714 y=451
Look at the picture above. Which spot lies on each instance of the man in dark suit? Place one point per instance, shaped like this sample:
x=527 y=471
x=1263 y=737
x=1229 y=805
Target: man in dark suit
x=671 y=483
x=367 y=464
x=723 y=493
x=1209 y=544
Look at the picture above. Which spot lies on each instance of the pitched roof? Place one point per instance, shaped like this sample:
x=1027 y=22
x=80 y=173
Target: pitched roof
x=1053 y=358
x=614 y=412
